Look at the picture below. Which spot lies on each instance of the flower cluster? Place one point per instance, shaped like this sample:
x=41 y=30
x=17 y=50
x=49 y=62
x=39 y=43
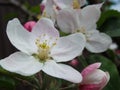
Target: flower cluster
x=41 y=48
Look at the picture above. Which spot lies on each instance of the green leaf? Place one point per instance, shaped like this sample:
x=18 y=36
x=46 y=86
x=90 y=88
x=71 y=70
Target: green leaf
x=63 y=34
x=6 y=83
x=9 y=16
x=35 y=9
x=107 y=15
x=109 y=23
x=107 y=65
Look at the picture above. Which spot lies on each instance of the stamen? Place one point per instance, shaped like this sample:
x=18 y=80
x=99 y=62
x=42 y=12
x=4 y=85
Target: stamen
x=44 y=47
x=83 y=31
x=76 y=4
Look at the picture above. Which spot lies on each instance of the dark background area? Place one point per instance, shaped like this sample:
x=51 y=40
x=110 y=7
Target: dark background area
x=9 y=11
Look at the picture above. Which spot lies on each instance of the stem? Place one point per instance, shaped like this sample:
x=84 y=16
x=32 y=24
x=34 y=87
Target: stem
x=40 y=77
x=37 y=83
x=39 y=80
x=27 y=82
x=21 y=7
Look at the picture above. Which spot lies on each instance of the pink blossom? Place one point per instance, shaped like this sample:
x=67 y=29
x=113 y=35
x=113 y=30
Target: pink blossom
x=42 y=5
x=74 y=62
x=29 y=25
x=94 y=78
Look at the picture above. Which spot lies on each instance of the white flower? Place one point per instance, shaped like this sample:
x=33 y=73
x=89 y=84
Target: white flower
x=84 y=21
x=42 y=49
x=75 y=4
x=52 y=7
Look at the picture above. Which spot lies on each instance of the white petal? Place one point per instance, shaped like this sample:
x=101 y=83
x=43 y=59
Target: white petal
x=98 y=42
x=82 y=2
x=67 y=20
x=105 y=80
x=62 y=71
x=20 y=38
x=21 y=63
x=63 y=3
x=49 y=10
x=91 y=14
x=45 y=26
x=68 y=47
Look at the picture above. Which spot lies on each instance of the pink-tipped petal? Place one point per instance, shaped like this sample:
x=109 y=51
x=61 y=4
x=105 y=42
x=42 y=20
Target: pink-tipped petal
x=90 y=69
x=105 y=80
x=42 y=5
x=29 y=25
x=98 y=86
x=94 y=78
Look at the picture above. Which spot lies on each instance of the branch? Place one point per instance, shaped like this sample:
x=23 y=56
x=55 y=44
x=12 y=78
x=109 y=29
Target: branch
x=20 y=6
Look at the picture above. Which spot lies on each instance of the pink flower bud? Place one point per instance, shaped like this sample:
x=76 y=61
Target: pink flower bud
x=94 y=78
x=42 y=5
x=74 y=62
x=29 y=25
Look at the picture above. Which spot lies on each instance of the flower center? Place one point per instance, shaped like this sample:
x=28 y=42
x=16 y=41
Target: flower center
x=43 y=52
x=83 y=31
x=76 y=4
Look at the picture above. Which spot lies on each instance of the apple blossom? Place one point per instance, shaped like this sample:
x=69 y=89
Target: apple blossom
x=49 y=10
x=29 y=25
x=42 y=49
x=75 y=4
x=94 y=78
x=52 y=7
x=84 y=21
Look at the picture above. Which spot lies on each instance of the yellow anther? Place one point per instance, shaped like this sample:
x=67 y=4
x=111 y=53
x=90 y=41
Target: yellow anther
x=77 y=30
x=76 y=4
x=45 y=15
x=54 y=44
x=44 y=45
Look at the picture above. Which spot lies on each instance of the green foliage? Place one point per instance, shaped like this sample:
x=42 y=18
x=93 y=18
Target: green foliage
x=9 y=81
x=32 y=9
x=6 y=83
x=35 y=9
x=107 y=65
x=9 y=16
x=109 y=23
